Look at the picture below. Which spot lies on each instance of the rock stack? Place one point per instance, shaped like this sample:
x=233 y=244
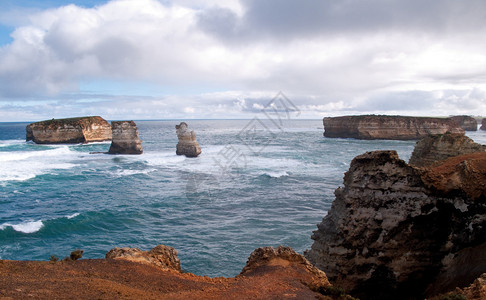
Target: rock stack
x=187 y=144
x=399 y=232
x=436 y=148
x=467 y=123
x=483 y=124
x=369 y=127
x=125 y=138
x=69 y=131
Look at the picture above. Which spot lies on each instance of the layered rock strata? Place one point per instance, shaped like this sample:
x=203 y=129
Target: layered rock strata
x=187 y=144
x=69 y=131
x=435 y=148
x=370 y=127
x=467 y=123
x=483 y=124
x=397 y=232
x=125 y=138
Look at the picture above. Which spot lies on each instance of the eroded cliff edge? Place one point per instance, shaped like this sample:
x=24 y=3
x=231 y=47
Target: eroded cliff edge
x=69 y=131
x=399 y=232
x=387 y=127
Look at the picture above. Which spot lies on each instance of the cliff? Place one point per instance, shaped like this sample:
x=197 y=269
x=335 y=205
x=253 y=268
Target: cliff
x=370 y=127
x=467 y=123
x=435 y=148
x=187 y=144
x=69 y=131
x=271 y=273
x=398 y=232
x=483 y=124
x=125 y=138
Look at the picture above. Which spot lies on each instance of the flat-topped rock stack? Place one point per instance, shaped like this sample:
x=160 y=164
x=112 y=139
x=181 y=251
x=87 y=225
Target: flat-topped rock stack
x=69 y=131
x=370 y=127
x=467 y=123
x=125 y=138
x=483 y=124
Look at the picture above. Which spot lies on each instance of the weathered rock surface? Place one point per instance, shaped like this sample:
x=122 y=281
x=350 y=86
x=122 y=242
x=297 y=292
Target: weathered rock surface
x=270 y=274
x=467 y=123
x=69 y=131
x=435 y=148
x=125 y=138
x=483 y=124
x=395 y=230
x=370 y=127
x=162 y=256
x=476 y=291
x=187 y=144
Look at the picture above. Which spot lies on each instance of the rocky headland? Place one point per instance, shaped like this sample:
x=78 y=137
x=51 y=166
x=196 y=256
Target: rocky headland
x=467 y=123
x=370 y=127
x=400 y=232
x=187 y=144
x=434 y=149
x=270 y=273
x=125 y=138
x=69 y=131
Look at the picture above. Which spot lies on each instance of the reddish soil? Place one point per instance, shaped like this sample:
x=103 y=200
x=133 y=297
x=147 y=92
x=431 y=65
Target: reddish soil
x=120 y=279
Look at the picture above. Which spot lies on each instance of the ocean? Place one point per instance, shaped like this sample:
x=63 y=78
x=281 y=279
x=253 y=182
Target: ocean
x=257 y=183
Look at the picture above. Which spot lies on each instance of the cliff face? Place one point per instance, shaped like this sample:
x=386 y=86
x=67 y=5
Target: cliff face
x=387 y=127
x=394 y=230
x=435 y=148
x=69 y=131
x=187 y=144
x=483 y=124
x=125 y=138
x=467 y=123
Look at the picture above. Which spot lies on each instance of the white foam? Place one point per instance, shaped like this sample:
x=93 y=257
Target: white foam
x=72 y=216
x=6 y=143
x=276 y=174
x=25 y=227
x=25 y=165
x=122 y=173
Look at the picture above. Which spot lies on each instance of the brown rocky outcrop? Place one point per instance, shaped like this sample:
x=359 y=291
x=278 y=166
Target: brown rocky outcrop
x=125 y=138
x=483 y=124
x=395 y=230
x=467 y=123
x=435 y=148
x=187 y=144
x=132 y=274
x=370 y=127
x=162 y=256
x=69 y=131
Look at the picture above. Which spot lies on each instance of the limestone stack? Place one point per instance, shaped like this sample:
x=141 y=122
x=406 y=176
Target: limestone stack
x=467 y=123
x=69 y=131
x=371 y=127
x=483 y=124
x=436 y=148
x=187 y=144
x=399 y=232
x=125 y=138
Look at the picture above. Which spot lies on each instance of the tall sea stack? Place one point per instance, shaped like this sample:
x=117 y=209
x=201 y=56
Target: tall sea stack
x=187 y=144
x=125 y=138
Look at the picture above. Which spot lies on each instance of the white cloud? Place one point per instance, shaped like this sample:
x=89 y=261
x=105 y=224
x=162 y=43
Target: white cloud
x=329 y=57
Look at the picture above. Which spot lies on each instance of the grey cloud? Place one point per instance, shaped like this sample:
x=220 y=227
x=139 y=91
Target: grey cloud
x=287 y=19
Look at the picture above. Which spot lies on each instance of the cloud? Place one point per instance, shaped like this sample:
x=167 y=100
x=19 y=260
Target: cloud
x=228 y=58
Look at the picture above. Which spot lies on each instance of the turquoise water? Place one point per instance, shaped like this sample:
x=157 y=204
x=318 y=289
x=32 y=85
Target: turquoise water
x=255 y=184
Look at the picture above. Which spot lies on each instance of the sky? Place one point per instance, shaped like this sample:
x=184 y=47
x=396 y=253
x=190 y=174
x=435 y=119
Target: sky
x=224 y=59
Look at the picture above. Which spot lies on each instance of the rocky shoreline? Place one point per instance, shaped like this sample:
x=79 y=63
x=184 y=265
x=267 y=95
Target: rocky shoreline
x=396 y=230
